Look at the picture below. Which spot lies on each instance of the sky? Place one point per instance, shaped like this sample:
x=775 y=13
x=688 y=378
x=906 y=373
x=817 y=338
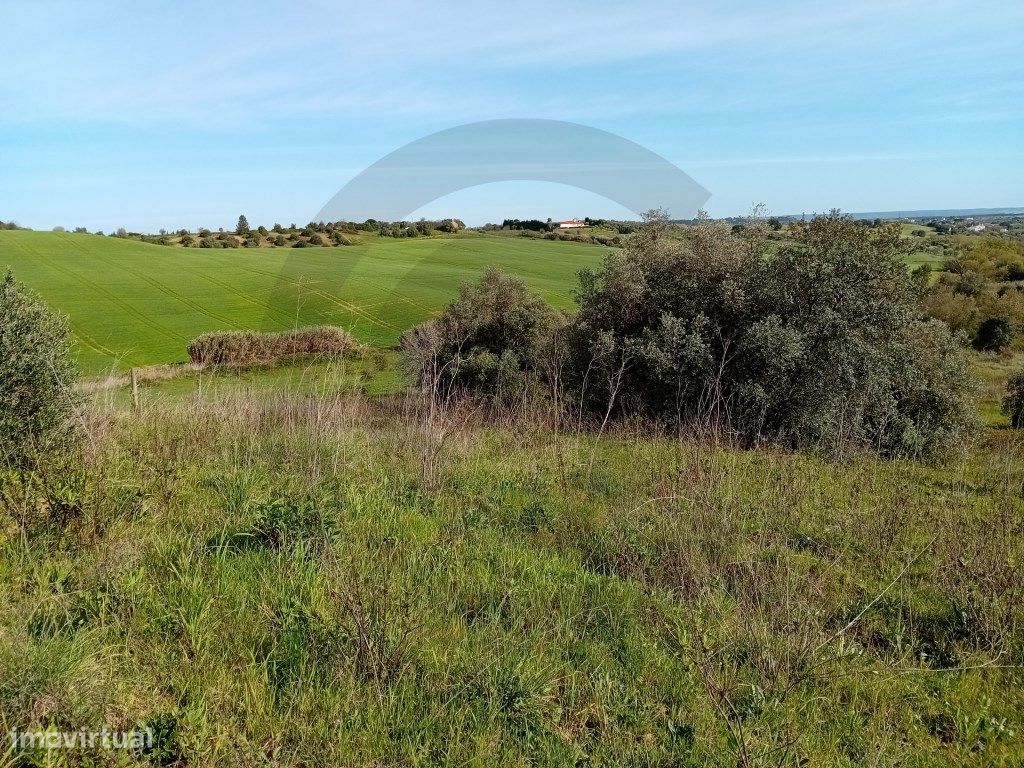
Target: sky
x=186 y=114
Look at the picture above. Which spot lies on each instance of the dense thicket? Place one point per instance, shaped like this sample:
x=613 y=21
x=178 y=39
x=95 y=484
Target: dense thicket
x=981 y=291
x=37 y=399
x=820 y=343
x=251 y=347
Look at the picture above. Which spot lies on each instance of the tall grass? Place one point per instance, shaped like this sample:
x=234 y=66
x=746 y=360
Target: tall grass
x=329 y=581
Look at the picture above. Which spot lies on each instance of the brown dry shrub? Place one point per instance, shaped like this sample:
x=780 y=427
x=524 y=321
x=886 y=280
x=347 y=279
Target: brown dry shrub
x=238 y=348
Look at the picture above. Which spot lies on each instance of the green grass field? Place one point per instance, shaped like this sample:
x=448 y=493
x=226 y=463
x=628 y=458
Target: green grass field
x=288 y=581
x=132 y=303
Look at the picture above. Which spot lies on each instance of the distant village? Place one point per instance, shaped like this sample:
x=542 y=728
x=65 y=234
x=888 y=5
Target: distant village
x=951 y=225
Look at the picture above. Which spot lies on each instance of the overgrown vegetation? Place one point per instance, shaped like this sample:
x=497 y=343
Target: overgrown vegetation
x=311 y=579
x=982 y=292
x=817 y=344
x=552 y=600
x=492 y=339
x=239 y=348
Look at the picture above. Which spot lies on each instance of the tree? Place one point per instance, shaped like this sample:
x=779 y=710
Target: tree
x=994 y=334
x=489 y=341
x=1013 y=401
x=37 y=375
x=242 y=227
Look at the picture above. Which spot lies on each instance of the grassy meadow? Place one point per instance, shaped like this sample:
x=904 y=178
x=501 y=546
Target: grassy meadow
x=324 y=580
x=134 y=303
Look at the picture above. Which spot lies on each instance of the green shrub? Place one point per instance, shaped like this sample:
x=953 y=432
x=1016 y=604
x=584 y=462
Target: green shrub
x=37 y=375
x=1013 y=401
x=818 y=345
x=253 y=348
x=1014 y=272
x=491 y=340
x=280 y=523
x=994 y=334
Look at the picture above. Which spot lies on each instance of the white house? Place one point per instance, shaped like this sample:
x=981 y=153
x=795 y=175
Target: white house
x=571 y=224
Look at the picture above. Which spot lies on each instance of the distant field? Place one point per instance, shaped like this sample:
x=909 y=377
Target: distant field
x=132 y=303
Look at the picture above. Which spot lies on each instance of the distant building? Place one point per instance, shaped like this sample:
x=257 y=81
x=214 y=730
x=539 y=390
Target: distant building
x=571 y=224
x=976 y=228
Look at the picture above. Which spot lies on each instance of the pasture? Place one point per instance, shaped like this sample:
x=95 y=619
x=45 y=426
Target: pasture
x=133 y=303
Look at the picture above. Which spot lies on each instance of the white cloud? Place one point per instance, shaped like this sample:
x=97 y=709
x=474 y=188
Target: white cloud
x=232 y=63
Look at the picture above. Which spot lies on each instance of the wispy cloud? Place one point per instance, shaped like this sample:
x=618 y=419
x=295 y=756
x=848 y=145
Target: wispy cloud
x=231 y=63
x=232 y=100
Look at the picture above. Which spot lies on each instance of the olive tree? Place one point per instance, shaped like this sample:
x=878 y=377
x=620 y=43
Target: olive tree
x=818 y=344
x=37 y=400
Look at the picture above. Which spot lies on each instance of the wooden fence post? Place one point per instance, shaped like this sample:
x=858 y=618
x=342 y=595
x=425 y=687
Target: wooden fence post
x=135 y=388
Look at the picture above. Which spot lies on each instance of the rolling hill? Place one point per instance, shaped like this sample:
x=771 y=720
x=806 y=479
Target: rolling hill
x=132 y=303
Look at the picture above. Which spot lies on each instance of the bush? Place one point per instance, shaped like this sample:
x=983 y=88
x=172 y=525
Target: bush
x=994 y=334
x=37 y=375
x=819 y=345
x=1013 y=401
x=236 y=348
x=491 y=340
x=1014 y=272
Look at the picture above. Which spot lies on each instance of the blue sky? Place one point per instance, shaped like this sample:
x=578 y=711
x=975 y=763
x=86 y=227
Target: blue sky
x=186 y=114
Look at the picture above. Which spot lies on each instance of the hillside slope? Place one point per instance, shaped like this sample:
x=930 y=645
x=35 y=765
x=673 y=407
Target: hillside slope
x=291 y=582
x=132 y=303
